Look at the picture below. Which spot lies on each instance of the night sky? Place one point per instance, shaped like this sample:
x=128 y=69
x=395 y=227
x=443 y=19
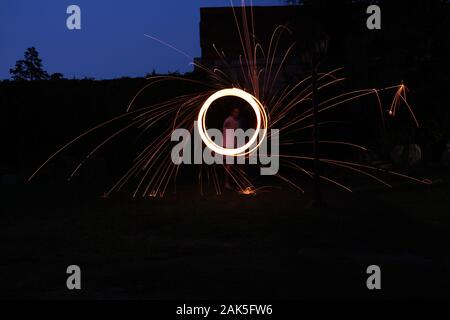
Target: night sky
x=111 y=42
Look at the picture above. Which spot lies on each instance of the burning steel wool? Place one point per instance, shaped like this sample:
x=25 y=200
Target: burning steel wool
x=288 y=109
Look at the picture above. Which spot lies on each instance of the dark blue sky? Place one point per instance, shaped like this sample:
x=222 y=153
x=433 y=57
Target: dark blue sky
x=111 y=42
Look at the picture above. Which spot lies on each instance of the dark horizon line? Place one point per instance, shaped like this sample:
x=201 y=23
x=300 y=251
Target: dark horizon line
x=101 y=79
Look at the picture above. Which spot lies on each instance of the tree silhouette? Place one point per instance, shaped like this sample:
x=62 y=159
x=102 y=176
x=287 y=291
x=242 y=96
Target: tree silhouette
x=325 y=2
x=30 y=68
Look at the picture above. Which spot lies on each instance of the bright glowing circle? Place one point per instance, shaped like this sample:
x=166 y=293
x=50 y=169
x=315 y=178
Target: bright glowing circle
x=261 y=122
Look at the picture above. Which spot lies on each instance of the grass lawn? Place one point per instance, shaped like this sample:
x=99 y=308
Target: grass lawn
x=186 y=246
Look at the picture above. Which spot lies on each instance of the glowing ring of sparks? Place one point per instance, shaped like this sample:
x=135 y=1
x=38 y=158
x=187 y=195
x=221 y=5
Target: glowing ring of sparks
x=261 y=122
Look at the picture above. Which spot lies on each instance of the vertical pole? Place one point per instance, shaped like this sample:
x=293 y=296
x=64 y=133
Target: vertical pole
x=317 y=194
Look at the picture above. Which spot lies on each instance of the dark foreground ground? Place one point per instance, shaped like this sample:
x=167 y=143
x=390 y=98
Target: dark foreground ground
x=272 y=245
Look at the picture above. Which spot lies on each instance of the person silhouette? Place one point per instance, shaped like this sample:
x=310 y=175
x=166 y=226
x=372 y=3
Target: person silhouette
x=230 y=125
